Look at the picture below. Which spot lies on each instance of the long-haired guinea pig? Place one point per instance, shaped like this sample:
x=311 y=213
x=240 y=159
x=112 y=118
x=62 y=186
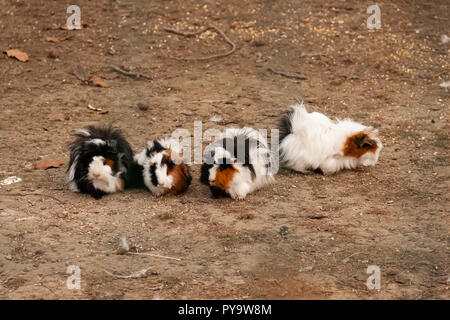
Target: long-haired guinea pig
x=312 y=141
x=237 y=163
x=164 y=170
x=99 y=161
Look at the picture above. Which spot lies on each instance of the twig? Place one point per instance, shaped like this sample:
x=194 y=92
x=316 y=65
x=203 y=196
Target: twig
x=43 y=285
x=153 y=255
x=122 y=251
x=33 y=194
x=316 y=54
x=157 y=288
x=136 y=274
x=192 y=34
x=346 y=259
x=290 y=76
x=131 y=74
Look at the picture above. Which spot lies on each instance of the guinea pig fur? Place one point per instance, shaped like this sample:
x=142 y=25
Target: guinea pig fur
x=237 y=163
x=312 y=141
x=163 y=168
x=99 y=161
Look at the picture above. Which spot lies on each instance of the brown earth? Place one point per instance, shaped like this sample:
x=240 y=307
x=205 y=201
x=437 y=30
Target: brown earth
x=393 y=215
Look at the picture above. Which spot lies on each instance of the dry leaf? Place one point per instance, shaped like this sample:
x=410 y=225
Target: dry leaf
x=97 y=81
x=94 y=108
x=56 y=116
x=53 y=163
x=56 y=39
x=53 y=39
x=80 y=73
x=19 y=55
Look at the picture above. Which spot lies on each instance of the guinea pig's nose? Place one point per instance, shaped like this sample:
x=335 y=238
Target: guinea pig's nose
x=96 y=175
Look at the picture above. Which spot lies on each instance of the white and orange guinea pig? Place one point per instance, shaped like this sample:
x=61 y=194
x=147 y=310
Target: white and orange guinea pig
x=312 y=141
x=100 y=159
x=164 y=170
x=237 y=163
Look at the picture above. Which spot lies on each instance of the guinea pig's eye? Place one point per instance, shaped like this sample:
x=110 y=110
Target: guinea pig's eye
x=105 y=161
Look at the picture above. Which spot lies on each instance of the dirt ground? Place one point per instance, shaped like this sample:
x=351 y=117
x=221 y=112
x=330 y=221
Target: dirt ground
x=304 y=237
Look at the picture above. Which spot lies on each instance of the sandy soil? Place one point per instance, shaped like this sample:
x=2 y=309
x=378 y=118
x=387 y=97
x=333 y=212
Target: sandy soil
x=394 y=215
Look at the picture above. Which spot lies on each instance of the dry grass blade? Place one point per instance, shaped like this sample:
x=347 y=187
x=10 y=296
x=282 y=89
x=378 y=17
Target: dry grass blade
x=286 y=75
x=192 y=34
x=131 y=74
x=136 y=274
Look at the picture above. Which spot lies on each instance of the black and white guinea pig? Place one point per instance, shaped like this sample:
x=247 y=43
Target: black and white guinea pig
x=237 y=163
x=312 y=141
x=99 y=161
x=164 y=170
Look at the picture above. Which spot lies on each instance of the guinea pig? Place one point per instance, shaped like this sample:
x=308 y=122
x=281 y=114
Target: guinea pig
x=99 y=161
x=237 y=163
x=164 y=170
x=312 y=141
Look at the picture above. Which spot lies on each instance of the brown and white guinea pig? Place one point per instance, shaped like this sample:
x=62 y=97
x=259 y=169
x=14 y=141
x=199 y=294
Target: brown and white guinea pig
x=100 y=158
x=237 y=163
x=312 y=141
x=164 y=170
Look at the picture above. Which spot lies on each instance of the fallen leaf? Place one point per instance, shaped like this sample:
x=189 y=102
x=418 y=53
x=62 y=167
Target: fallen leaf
x=19 y=55
x=94 y=108
x=56 y=39
x=53 y=163
x=53 y=39
x=57 y=116
x=97 y=81
x=80 y=73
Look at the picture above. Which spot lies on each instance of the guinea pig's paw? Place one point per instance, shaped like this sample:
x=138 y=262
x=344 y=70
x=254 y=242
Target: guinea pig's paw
x=97 y=194
x=159 y=192
x=240 y=191
x=168 y=182
x=238 y=195
x=326 y=171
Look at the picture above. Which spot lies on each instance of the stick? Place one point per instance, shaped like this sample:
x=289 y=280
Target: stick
x=290 y=76
x=131 y=74
x=157 y=288
x=153 y=255
x=122 y=251
x=136 y=274
x=191 y=34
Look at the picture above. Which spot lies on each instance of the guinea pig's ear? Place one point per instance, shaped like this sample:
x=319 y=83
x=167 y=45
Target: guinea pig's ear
x=225 y=163
x=167 y=161
x=363 y=141
x=154 y=147
x=148 y=149
x=358 y=144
